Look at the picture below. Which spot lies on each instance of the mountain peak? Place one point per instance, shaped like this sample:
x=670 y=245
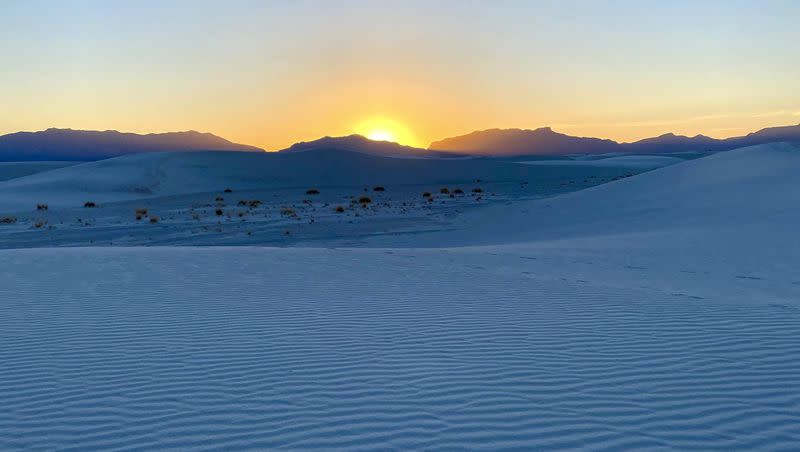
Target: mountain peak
x=69 y=144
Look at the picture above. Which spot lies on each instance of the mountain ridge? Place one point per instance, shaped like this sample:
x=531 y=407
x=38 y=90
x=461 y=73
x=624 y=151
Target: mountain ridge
x=87 y=145
x=545 y=141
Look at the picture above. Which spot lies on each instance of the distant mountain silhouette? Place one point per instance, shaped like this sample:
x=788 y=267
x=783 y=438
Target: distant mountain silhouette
x=544 y=141
x=84 y=145
x=523 y=141
x=363 y=145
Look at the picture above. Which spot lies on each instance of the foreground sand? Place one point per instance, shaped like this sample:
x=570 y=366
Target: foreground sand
x=656 y=312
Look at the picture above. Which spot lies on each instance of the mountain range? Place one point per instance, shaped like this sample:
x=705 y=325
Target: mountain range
x=85 y=145
x=545 y=141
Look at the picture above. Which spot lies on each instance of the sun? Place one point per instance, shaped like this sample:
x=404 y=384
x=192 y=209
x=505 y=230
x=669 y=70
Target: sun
x=381 y=135
x=381 y=128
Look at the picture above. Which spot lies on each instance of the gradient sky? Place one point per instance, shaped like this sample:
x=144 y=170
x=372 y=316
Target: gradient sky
x=270 y=73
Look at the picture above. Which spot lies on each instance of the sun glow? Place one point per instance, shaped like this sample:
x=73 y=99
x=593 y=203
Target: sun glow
x=381 y=135
x=384 y=129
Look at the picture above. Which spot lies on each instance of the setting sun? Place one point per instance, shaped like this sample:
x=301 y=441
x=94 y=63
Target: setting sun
x=384 y=129
x=381 y=135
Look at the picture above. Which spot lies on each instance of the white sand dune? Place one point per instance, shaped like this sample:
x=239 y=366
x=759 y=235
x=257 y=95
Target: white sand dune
x=631 y=161
x=164 y=174
x=660 y=311
x=13 y=170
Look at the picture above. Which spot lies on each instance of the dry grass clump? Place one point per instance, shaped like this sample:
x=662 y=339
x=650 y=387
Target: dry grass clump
x=444 y=190
x=312 y=191
x=41 y=207
x=89 y=204
x=378 y=188
x=339 y=209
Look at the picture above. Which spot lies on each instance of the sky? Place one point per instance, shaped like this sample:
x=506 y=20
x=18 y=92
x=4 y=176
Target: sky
x=271 y=73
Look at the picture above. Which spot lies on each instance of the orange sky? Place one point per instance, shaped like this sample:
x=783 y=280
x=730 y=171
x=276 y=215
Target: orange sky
x=274 y=73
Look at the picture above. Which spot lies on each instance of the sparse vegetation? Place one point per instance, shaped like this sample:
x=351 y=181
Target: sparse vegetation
x=141 y=212
x=458 y=191
x=41 y=207
x=477 y=190
x=227 y=190
x=378 y=188
x=89 y=204
x=312 y=191
x=339 y=209
x=154 y=219
x=426 y=194
x=218 y=212
x=289 y=212
x=364 y=200
x=444 y=190
x=219 y=199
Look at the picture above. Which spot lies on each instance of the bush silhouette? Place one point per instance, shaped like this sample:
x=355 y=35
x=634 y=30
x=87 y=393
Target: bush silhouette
x=339 y=209
x=41 y=207
x=141 y=212
x=477 y=190
x=218 y=212
x=378 y=188
x=426 y=194
x=154 y=219
x=458 y=191
x=444 y=190
x=364 y=200
x=219 y=199
x=312 y=191
x=89 y=204
x=227 y=190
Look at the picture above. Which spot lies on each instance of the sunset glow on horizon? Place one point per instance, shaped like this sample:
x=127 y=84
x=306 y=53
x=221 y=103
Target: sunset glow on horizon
x=271 y=74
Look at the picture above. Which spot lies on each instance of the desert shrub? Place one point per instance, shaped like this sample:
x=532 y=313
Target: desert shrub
x=219 y=199
x=8 y=220
x=426 y=194
x=154 y=219
x=241 y=202
x=477 y=190
x=41 y=207
x=89 y=204
x=141 y=212
x=138 y=217
x=458 y=191
x=378 y=188
x=364 y=200
x=444 y=190
x=254 y=203
x=339 y=209
x=312 y=191
x=218 y=212
x=227 y=190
